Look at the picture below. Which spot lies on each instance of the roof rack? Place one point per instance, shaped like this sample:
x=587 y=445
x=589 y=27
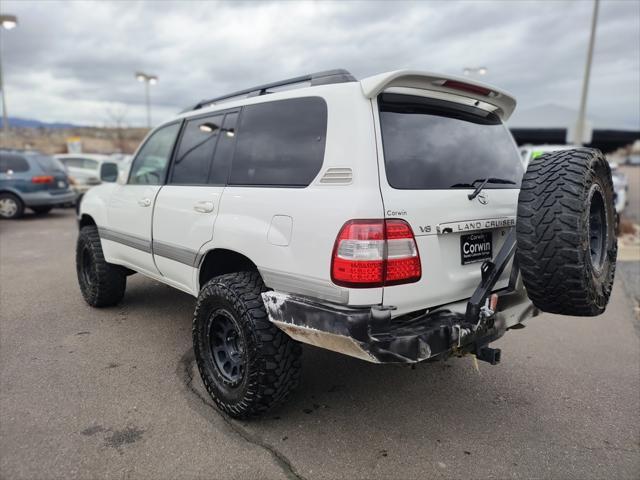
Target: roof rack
x=320 y=78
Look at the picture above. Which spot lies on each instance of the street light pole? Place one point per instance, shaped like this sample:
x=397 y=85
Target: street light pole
x=7 y=22
x=148 y=80
x=148 y=100
x=580 y=125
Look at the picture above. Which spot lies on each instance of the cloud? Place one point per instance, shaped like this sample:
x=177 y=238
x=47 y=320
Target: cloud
x=73 y=61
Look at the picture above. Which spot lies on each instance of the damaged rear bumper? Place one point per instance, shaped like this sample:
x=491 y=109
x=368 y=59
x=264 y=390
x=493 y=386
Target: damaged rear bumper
x=372 y=335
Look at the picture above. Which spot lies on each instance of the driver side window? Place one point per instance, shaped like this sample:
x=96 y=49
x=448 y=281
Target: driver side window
x=150 y=165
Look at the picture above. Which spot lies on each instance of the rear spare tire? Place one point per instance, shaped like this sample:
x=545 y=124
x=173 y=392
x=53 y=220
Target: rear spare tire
x=566 y=243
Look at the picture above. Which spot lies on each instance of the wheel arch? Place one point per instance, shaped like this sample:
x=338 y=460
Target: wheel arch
x=86 y=220
x=12 y=191
x=220 y=261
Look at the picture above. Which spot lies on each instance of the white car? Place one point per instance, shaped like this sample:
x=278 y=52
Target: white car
x=374 y=218
x=621 y=187
x=88 y=169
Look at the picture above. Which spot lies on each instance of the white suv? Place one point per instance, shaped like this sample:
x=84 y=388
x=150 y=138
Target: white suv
x=374 y=218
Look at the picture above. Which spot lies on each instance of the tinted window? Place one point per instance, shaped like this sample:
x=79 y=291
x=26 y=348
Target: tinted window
x=433 y=144
x=150 y=165
x=195 y=153
x=224 y=151
x=15 y=163
x=280 y=143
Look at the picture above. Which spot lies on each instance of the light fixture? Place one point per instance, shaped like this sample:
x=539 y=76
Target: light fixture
x=8 y=21
x=208 y=127
x=475 y=70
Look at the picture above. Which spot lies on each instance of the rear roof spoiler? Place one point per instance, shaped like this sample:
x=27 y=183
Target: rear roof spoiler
x=460 y=86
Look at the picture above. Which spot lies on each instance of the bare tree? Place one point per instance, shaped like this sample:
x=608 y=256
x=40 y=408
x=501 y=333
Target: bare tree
x=116 y=116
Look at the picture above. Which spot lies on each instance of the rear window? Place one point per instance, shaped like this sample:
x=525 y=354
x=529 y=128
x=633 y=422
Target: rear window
x=433 y=145
x=77 y=162
x=50 y=164
x=280 y=143
x=13 y=163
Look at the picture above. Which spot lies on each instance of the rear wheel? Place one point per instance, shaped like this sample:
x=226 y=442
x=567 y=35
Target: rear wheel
x=102 y=284
x=11 y=206
x=41 y=210
x=566 y=242
x=246 y=363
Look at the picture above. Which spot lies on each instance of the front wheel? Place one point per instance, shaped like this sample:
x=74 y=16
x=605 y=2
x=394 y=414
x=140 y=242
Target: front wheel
x=102 y=284
x=246 y=363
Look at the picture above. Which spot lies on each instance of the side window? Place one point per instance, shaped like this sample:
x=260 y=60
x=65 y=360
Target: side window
x=224 y=151
x=13 y=163
x=195 y=153
x=280 y=143
x=150 y=164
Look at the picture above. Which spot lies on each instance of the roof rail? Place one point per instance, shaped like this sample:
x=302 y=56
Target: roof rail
x=320 y=78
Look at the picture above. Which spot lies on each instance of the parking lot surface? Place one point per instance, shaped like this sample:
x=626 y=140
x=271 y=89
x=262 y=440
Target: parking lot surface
x=113 y=393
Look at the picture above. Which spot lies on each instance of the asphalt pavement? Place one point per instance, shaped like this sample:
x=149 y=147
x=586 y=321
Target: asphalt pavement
x=113 y=393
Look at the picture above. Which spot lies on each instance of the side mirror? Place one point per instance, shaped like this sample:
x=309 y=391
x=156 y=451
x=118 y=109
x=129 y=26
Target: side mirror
x=109 y=172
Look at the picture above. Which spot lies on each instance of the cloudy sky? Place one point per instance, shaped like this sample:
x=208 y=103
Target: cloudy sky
x=75 y=61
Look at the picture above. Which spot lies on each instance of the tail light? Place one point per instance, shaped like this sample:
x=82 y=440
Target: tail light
x=375 y=253
x=42 y=179
x=466 y=87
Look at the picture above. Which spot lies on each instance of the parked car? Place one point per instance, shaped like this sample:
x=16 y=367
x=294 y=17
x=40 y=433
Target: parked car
x=621 y=187
x=87 y=170
x=633 y=159
x=32 y=180
x=376 y=218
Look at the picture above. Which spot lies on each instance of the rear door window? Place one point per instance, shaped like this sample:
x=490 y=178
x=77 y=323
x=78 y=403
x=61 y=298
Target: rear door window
x=50 y=164
x=13 y=163
x=195 y=153
x=433 y=144
x=280 y=143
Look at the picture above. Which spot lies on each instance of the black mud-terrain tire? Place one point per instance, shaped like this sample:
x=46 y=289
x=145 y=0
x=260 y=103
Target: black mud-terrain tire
x=41 y=210
x=270 y=360
x=566 y=242
x=102 y=284
x=12 y=206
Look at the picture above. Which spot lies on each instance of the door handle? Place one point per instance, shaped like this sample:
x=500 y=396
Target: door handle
x=203 y=207
x=144 y=202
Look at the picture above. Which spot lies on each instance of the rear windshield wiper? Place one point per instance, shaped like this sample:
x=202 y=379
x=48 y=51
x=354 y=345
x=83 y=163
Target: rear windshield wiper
x=484 y=181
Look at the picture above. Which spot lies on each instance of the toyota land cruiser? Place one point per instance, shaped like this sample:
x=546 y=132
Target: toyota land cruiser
x=389 y=219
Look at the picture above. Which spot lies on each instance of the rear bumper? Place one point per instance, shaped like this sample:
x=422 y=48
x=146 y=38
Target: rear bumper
x=372 y=335
x=42 y=199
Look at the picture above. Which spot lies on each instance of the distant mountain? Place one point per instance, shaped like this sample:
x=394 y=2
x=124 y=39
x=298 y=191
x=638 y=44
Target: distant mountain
x=30 y=123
